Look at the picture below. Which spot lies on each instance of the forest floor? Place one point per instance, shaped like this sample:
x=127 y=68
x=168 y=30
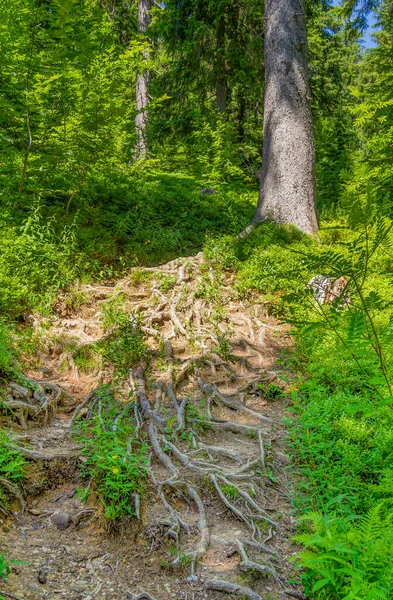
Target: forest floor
x=215 y=519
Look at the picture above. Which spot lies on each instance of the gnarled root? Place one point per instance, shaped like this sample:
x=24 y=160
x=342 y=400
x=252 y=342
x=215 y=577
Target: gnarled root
x=220 y=585
x=141 y=596
x=14 y=491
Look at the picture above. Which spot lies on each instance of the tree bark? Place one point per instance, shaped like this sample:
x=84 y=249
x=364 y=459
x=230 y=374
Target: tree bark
x=221 y=85
x=142 y=86
x=287 y=193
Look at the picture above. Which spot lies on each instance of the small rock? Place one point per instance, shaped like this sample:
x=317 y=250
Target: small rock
x=42 y=576
x=208 y=191
x=61 y=520
x=34 y=511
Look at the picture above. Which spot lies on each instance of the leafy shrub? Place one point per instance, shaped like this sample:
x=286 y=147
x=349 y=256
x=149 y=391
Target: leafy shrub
x=116 y=461
x=148 y=216
x=340 y=431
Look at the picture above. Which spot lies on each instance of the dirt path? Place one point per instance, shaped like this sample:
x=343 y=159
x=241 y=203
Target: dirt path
x=215 y=521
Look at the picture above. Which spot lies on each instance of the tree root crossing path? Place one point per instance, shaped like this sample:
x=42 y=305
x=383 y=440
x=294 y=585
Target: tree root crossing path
x=215 y=520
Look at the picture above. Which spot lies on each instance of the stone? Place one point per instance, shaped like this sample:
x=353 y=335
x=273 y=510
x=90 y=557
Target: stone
x=42 y=576
x=61 y=520
x=208 y=191
x=34 y=511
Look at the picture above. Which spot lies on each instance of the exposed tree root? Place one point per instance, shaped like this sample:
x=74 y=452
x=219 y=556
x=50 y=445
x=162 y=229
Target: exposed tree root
x=250 y=565
x=8 y=595
x=14 y=491
x=141 y=596
x=35 y=455
x=90 y=396
x=39 y=400
x=220 y=585
x=295 y=594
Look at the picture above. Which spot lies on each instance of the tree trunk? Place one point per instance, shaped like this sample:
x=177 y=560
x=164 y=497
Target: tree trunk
x=142 y=86
x=287 y=193
x=221 y=85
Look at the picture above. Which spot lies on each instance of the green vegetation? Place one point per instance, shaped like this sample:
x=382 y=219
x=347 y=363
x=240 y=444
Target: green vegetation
x=116 y=462
x=4 y=567
x=76 y=207
x=348 y=557
x=12 y=466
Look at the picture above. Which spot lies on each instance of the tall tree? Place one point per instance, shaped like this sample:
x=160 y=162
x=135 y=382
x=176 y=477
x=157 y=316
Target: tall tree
x=287 y=193
x=142 y=86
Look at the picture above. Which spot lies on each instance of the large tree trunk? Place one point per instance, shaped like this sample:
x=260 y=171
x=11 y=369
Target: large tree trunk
x=287 y=193
x=142 y=87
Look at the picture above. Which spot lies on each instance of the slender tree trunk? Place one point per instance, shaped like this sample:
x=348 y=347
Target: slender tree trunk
x=221 y=85
x=287 y=193
x=142 y=87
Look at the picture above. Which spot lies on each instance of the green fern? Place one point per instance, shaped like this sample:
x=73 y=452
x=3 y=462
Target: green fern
x=348 y=559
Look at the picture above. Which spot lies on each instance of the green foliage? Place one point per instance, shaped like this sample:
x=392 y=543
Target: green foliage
x=372 y=111
x=348 y=558
x=35 y=262
x=12 y=464
x=116 y=460
x=5 y=568
x=125 y=345
x=7 y=364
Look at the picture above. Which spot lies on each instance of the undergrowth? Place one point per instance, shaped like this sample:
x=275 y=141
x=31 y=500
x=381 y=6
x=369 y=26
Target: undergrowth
x=123 y=220
x=12 y=467
x=116 y=461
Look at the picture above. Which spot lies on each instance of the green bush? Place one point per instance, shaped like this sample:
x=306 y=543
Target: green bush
x=115 y=460
x=340 y=431
x=126 y=346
